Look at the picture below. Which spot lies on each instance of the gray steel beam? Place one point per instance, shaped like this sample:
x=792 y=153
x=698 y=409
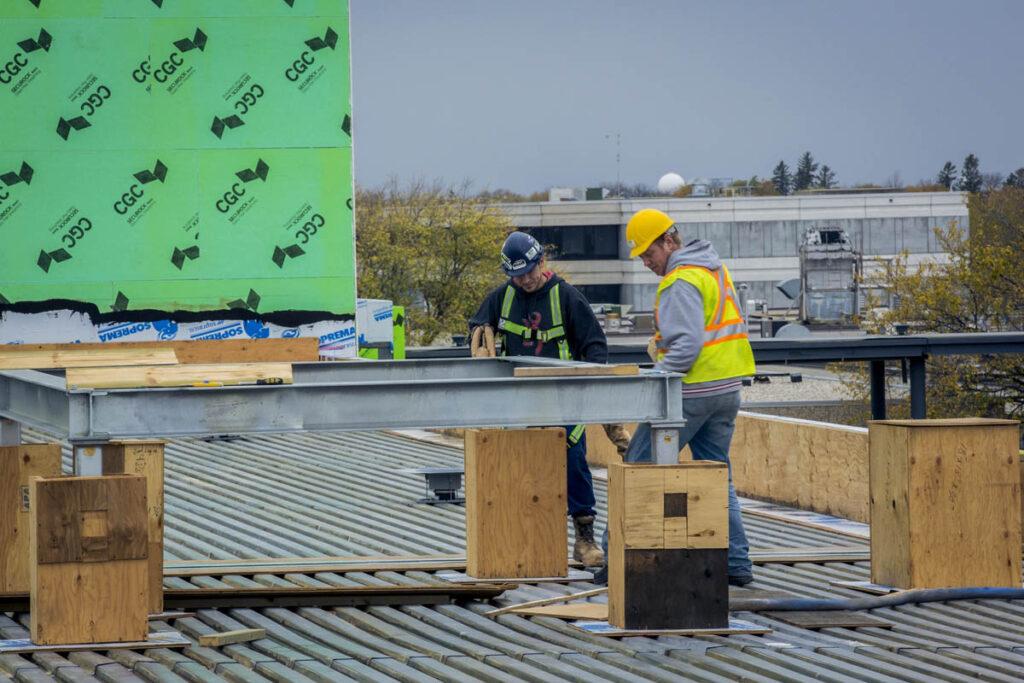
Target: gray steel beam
x=381 y=398
x=878 y=390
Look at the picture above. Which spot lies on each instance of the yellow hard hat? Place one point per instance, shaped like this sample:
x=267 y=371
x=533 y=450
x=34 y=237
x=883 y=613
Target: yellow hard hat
x=643 y=228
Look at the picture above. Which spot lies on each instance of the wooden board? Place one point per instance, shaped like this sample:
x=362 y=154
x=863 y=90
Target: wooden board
x=153 y=640
x=179 y=376
x=735 y=627
x=596 y=611
x=576 y=370
x=297 y=350
x=945 y=503
x=145 y=458
x=88 y=556
x=818 y=619
x=17 y=465
x=228 y=637
x=15 y=357
x=809 y=465
x=369 y=564
x=516 y=503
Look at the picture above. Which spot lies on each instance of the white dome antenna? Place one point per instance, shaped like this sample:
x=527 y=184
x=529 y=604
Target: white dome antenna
x=670 y=183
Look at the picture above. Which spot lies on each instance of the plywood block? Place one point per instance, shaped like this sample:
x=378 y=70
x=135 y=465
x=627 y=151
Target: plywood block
x=668 y=534
x=14 y=357
x=89 y=560
x=145 y=458
x=516 y=503
x=945 y=503
x=297 y=350
x=576 y=370
x=818 y=619
x=179 y=376
x=17 y=465
x=581 y=610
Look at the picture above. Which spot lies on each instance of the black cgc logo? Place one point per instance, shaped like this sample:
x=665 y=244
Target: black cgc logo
x=135 y=192
x=169 y=66
x=237 y=191
x=305 y=60
x=24 y=175
x=20 y=60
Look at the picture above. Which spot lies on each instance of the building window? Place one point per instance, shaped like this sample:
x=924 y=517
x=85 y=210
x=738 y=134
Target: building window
x=579 y=242
x=601 y=294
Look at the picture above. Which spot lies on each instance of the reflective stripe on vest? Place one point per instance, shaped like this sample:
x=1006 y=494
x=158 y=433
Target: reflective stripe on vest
x=725 y=353
x=575 y=434
x=555 y=333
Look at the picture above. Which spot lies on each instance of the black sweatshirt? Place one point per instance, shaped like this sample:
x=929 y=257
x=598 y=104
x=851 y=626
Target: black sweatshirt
x=583 y=333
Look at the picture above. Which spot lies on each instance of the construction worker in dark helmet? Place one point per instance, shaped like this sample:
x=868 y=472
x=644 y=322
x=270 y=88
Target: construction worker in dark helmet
x=537 y=313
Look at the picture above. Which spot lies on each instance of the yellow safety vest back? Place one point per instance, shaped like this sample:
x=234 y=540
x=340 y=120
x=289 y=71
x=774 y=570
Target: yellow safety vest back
x=726 y=351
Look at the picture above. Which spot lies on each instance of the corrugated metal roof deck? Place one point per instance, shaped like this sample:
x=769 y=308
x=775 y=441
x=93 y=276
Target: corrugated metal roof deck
x=341 y=494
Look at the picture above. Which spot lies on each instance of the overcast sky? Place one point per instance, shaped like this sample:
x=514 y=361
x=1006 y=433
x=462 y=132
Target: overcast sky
x=528 y=94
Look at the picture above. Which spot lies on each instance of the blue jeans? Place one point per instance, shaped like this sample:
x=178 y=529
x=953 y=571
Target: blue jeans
x=579 y=486
x=710 y=422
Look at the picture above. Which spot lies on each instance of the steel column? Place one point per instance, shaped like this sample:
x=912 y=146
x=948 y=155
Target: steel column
x=877 y=389
x=10 y=432
x=918 y=408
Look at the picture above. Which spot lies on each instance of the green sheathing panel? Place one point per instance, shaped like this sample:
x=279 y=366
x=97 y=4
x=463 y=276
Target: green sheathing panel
x=185 y=155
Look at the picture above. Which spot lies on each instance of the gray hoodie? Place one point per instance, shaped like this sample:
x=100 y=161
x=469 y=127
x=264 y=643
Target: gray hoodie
x=681 y=319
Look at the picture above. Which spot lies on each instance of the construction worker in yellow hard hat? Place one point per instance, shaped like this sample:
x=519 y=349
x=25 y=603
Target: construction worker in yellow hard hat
x=700 y=333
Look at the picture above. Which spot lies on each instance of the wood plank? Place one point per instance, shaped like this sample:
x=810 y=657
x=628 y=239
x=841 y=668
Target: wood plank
x=516 y=503
x=179 y=376
x=14 y=357
x=708 y=505
x=818 y=619
x=615 y=558
x=154 y=640
x=597 y=611
x=548 y=601
x=95 y=590
x=603 y=628
x=243 y=635
x=145 y=458
x=369 y=564
x=17 y=465
x=890 y=505
x=815 y=555
x=577 y=370
x=297 y=350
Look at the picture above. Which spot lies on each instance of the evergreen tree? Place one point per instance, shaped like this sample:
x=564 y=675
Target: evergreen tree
x=1015 y=179
x=970 y=176
x=805 y=169
x=947 y=176
x=826 y=179
x=781 y=179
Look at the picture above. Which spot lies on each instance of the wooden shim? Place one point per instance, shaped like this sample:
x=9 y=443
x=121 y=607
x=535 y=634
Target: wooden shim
x=13 y=357
x=811 y=520
x=179 y=376
x=159 y=639
x=818 y=619
x=547 y=601
x=17 y=465
x=576 y=370
x=297 y=350
x=228 y=637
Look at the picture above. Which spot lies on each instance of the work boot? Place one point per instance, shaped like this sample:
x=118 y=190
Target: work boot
x=584 y=549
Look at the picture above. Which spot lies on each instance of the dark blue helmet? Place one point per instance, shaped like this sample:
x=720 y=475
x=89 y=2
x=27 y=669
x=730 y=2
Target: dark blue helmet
x=520 y=254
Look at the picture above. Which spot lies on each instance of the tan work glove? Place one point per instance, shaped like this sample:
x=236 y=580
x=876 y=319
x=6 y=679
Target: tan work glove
x=652 y=350
x=481 y=344
x=619 y=436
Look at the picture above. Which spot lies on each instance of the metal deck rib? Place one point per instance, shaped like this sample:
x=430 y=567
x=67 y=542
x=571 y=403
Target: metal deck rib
x=332 y=494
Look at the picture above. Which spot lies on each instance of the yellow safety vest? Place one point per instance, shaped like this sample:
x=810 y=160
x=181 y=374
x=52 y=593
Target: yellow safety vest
x=726 y=352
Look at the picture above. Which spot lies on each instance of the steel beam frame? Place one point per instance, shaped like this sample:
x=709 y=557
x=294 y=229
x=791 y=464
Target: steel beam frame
x=350 y=396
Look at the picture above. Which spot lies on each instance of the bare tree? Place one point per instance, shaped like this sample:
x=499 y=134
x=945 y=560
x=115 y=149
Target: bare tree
x=894 y=180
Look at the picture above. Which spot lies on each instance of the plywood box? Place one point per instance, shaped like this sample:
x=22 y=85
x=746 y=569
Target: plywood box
x=668 y=545
x=516 y=503
x=145 y=458
x=88 y=552
x=17 y=465
x=945 y=503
